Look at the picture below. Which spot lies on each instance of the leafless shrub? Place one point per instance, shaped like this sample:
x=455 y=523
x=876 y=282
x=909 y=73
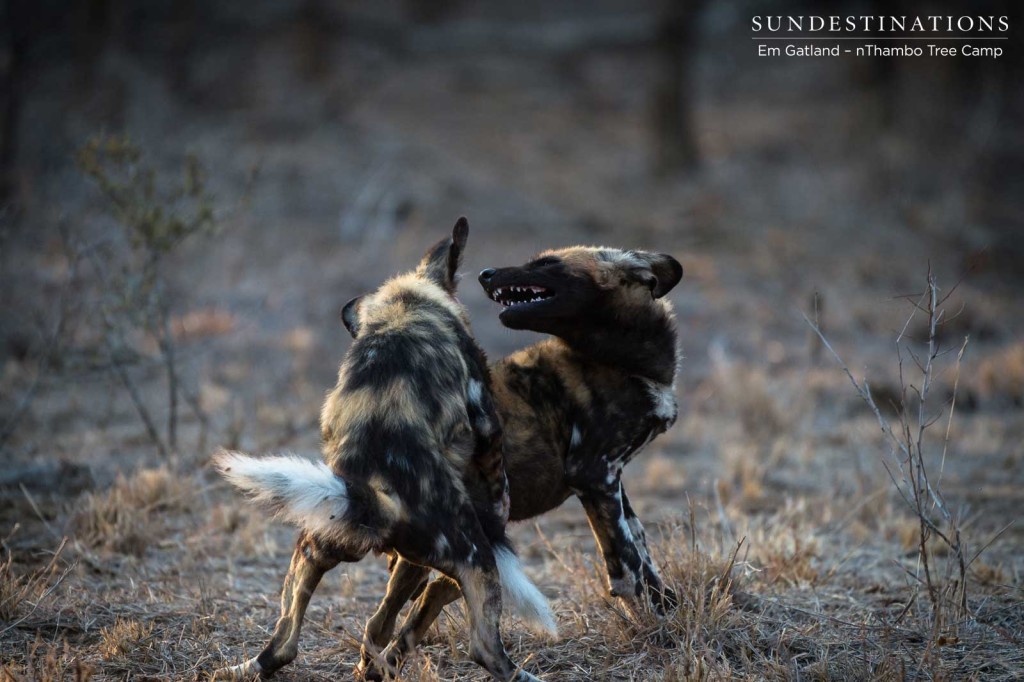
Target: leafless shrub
x=53 y=340
x=912 y=469
x=155 y=216
x=120 y=307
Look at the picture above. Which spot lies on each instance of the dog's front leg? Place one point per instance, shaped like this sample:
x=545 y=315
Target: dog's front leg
x=611 y=530
x=623 y=544
x=406 y=579
x=661 y=597
x=310 y=560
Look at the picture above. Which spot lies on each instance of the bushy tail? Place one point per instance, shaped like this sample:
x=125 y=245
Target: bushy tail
x=522 y=595
x=307 y=494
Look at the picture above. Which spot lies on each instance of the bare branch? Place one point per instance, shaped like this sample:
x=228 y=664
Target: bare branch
x=907 y=441
x=952 y=407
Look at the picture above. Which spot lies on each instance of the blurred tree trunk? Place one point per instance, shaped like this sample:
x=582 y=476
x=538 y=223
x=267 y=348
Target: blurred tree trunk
x=90 y=33
x=99 y=30
x=188 y=22
x=675 y=144
x=315 y=31
x=430 y=11
x=17 y=28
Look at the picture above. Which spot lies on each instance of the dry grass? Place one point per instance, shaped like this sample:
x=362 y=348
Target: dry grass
x=1000 y=375
x=747 y=392
x=22 y=593
x=126 y=637
x=791 y=561
x=46 y=663
x=780 y=576
x=128 y=516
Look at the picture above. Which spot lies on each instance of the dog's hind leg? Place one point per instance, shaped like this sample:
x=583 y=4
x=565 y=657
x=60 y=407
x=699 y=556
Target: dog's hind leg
x=439 y=593
x=482 y=591
x=479 y=582
x=406 y=579
x=310 y=561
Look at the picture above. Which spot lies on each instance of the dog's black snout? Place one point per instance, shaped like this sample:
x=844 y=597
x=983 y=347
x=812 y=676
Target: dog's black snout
x=485 y=275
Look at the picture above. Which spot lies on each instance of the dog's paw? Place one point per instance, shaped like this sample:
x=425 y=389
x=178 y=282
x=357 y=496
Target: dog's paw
x=369 y=669
x=243 y=672
x=664 y=600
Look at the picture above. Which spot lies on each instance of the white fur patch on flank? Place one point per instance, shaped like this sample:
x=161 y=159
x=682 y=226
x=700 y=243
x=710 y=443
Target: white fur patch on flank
x=304 y=493
x=522 y=595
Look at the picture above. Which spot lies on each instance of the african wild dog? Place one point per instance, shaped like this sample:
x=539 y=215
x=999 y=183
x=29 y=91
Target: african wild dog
x=577 y=407
x=412 y=467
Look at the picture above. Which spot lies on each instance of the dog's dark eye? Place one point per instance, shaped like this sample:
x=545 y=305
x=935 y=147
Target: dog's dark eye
x=546 y=260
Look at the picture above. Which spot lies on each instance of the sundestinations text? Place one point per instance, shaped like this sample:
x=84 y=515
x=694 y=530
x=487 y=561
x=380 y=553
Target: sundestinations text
x=881 y=24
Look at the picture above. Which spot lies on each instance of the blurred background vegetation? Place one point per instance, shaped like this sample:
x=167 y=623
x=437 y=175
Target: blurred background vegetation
x=190 y=189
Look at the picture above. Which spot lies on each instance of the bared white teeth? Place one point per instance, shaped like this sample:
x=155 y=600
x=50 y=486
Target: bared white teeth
x=503 y=295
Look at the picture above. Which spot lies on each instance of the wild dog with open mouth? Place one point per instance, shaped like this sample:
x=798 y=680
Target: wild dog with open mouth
x=576 y=408
x=411 y=444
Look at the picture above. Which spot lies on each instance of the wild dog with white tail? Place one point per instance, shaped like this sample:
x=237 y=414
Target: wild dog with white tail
x=577 y=407
x=412 y=467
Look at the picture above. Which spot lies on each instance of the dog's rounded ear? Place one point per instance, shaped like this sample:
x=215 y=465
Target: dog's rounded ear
x=442 y=260
x=645 y=277
x=665 y=271
x=350 y=316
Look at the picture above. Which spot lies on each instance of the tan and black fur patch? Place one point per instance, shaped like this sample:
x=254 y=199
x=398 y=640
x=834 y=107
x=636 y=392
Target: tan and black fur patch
x=412 y=448
x=578 y=406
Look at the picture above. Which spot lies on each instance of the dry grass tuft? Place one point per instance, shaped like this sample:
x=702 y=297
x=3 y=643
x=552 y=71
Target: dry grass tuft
x=746 y=391
x=46 y=662
x=786 y=556
x=22 y=594
x=126 y=517
x=248 y=530
x=706 y=619
x=1001 y=375
x=125 y=640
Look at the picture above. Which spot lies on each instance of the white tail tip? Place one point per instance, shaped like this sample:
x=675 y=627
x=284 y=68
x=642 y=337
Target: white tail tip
x=523 y=596
x=304 y=493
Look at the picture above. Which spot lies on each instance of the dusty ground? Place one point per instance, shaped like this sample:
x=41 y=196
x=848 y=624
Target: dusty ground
x=167 y=574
